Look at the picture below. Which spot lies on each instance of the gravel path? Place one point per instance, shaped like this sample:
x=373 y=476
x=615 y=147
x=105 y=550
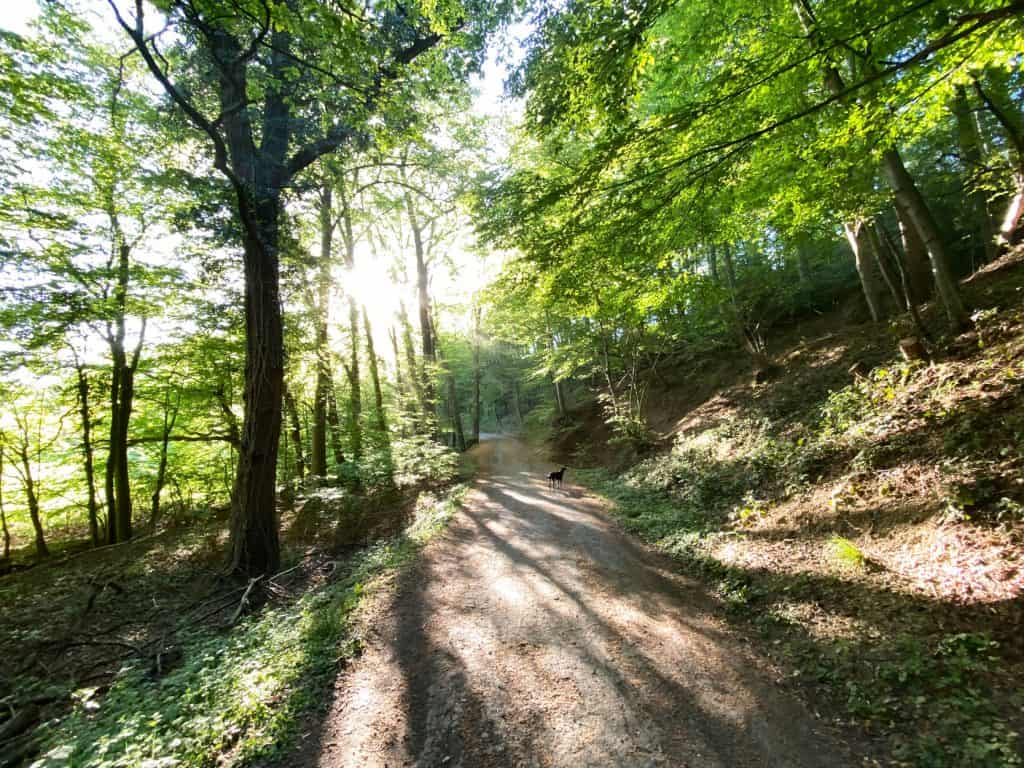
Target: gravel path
x=535 y=633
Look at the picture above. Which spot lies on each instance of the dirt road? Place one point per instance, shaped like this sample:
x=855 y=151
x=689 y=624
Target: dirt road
x=535 y=633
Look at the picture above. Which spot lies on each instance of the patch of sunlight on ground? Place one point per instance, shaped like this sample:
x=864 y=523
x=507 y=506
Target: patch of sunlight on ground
x=362 y=696
x=508 y=590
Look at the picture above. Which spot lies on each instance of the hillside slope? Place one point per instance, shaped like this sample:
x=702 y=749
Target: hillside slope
x=867 y=526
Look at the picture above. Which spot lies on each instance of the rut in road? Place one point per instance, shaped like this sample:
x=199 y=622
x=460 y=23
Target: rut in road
x=535 y=633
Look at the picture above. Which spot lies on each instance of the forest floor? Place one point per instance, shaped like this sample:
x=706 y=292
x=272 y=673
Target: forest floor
x=534 y=632
x=146 y=654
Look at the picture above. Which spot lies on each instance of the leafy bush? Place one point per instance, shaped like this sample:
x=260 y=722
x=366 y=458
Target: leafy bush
x=537 y=424
x=625 y=419
x=849 y=407
x=418 y=458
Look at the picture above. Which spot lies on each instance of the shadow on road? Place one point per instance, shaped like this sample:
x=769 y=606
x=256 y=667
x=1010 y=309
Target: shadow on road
x=536 y=633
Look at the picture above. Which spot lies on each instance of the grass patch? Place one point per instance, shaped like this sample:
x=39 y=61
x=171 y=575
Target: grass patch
x=239 y=694
x=847 y=553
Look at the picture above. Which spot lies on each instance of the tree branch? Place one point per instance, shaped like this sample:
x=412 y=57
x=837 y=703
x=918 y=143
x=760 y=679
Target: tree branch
x=138 y=37
x=340 y=134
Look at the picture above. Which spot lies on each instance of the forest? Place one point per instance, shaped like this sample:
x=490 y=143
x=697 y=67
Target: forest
x=302 y=301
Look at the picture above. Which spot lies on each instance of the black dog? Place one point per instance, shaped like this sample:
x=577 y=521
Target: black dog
x=555 y=478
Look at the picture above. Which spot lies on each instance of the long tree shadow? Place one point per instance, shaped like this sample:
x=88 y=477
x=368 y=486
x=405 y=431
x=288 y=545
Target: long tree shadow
x=666 y=717
x=447 y=719
x=475 y=676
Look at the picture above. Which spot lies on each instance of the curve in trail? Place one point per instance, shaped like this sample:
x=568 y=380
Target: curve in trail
x=535 y=633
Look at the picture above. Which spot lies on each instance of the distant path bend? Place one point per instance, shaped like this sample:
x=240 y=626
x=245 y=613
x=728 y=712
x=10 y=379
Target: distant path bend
x=533 y=632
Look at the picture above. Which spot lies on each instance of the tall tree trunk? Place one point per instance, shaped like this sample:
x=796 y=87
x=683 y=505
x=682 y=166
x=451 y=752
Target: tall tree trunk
x=121 y=479
x=555 y=383
x=318 y=447
x=453 y=404
x=122 y=394
x=400 y=384
x=908 y=295
x=255 y=547
x=748 y=337
x=999 y=101
x=460 y=435
x=885 y=266
x=412 y=370
x=87 y=454
x=355 y=408
x=117 y=354
x=116 y=484
x=476 y=374
x=905 y=190
x=476 y=378
x=920 y=215
x=517 y=407
x=606 y=369
x=856 y=236
x=730 y=270
x=114 y=454
x=3 y=512
x=422 y=284
x=713 y=262
x=915 y=256
x=33 y=500
x=259 y=175
x=378 y=392
x=170 y=417
x=355 y=393
x=334 y=423
x=559 y=399
x=296 y=426
x=399 y=379
x=803 y=262
x=970 y=154
x=427 y=336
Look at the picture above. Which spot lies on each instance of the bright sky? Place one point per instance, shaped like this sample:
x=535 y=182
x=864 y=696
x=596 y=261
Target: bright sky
x=370 y=281
x=17 y=14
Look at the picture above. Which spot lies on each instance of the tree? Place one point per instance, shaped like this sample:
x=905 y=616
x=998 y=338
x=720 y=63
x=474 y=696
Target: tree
x=320 y=302
x=692 y=123
x=30 y=437
x=292 y=82
x=81 y=226
x=476 y=372
x=3 y=512
x=83 y=390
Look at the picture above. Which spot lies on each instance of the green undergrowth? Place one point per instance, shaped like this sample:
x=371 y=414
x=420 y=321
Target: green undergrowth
x=239 y=693
x=934 y=690
x=932 y=696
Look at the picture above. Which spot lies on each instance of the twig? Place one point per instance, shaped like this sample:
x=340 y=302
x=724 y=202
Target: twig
x=17 y=750
x=112 y=643
x=25 y=717
x=307 y=556
x=245 y=599
x=220 y=606
x=216 y=599
x=104 y=548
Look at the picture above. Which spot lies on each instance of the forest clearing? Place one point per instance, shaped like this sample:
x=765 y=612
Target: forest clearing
x=459 y=383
